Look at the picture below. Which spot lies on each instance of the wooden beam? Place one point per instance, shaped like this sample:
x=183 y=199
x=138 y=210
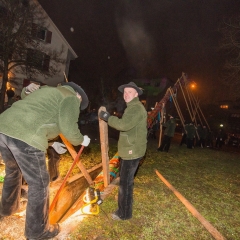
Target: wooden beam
x=103 y=129
x=215 y=233
x=74 y=188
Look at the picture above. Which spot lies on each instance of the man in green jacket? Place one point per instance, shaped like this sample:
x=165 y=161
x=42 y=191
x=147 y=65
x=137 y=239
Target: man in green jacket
x=191 y=132
x=169 y=131
x=132 y=145
x=25 y=129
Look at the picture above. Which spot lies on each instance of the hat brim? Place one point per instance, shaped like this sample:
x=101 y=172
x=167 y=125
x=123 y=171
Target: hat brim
x=121 y=88
x=81 y=92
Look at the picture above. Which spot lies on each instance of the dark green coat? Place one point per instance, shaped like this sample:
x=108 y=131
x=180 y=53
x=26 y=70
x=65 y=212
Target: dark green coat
x=191 y=130
x=170 y=126
x=43 y=115
x=132 y=142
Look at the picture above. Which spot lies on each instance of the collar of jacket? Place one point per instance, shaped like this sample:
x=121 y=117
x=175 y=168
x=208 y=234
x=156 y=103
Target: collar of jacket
x=133 y=101
x=71 y=90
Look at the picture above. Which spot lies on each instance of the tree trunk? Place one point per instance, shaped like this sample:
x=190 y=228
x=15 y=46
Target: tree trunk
x=4 y=85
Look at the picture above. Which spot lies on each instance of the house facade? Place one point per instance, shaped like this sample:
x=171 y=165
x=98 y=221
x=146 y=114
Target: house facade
x=50 y=39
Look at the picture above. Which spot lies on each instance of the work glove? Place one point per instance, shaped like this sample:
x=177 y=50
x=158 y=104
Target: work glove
x=86 y=141
x=59 y=147
x=32 y=87
x=104 y=115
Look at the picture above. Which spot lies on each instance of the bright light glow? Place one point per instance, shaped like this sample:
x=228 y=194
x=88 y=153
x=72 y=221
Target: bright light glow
x=221 y=125
x=224 y=106
x=8 y=85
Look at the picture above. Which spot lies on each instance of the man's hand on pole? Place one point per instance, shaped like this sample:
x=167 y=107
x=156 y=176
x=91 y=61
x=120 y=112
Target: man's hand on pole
x=104 y=115
x=86 y=141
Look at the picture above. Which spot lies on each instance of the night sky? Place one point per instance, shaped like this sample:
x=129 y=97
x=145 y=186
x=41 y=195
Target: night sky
x=144 y=39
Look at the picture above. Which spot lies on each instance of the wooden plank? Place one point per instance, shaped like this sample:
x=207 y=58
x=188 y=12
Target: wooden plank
x=103 y=129
x=73 y=189
x=213 y=231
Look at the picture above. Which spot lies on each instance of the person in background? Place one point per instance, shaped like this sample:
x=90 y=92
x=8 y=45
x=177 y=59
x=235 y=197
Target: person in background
x=25 y=129
x=220 y=138
x=132 y=145
x=169 y=131
x=203 y=137
x=191 y=132
x=184 y=136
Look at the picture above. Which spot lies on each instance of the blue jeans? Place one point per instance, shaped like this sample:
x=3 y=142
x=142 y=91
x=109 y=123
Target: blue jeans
x=23 y=160
x=128 y=169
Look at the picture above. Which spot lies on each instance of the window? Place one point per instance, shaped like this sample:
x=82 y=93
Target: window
x=224 y=106
x=38 y=59
x=41 y=33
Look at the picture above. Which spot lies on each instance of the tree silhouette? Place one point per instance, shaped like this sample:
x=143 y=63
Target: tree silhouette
x=230 y=45
x=24 y=47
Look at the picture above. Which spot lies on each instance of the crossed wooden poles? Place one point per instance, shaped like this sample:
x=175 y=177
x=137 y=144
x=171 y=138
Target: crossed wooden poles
x=76 y=157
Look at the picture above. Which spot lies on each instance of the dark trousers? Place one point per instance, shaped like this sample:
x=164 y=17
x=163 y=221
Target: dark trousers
x=184 y=139
x=125 y=192
x=24 y=160
x=53 y=163
x=165 y=143
x=190 y=142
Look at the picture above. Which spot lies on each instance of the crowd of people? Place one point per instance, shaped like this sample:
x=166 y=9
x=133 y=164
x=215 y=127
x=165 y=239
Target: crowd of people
x=192 y=135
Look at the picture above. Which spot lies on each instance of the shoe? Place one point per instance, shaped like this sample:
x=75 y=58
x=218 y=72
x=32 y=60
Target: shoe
x=115 y=217
x=51 y=233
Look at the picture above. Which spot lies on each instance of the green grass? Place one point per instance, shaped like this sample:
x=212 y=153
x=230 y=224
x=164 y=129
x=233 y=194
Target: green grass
x=208 y=179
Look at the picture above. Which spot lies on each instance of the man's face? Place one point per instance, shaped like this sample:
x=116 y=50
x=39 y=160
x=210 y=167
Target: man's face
x=129 y=93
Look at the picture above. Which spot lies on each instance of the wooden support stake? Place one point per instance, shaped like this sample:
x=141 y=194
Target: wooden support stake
x=103 y=129
x=160 y=124
x=79 y=163
x=215 y=233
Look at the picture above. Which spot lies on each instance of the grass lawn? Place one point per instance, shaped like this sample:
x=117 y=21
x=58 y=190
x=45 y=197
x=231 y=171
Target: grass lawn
x=208 y=179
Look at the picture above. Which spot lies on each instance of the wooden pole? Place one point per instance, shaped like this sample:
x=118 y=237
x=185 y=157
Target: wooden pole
x=217 y=235
x=79 y=163
x=160 y=124
x=103 y=129
x=65 y=180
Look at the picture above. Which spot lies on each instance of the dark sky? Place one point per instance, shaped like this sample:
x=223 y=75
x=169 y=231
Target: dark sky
x=152 y=38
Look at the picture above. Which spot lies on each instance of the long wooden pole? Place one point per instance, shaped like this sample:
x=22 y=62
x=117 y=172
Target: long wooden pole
x=103 y=130
x=160 y=124
x=215 y=233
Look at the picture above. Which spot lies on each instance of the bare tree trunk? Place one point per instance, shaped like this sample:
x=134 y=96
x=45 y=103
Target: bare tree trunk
x=3 y=90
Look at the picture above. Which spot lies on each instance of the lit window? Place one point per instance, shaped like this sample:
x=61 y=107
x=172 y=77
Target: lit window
x=224 y=106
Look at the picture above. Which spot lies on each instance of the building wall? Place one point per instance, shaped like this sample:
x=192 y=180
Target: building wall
x=58 y=42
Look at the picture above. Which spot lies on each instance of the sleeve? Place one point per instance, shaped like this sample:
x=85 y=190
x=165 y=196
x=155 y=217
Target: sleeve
x=68 y=120
x=129 y=120
x=23 y=94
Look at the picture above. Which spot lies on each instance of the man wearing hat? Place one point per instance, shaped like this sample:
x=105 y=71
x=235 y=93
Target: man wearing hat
x=25 y=129
x=131 y=145
x=169 y=131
